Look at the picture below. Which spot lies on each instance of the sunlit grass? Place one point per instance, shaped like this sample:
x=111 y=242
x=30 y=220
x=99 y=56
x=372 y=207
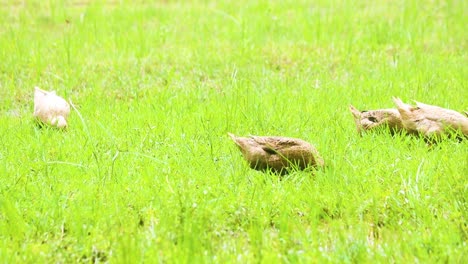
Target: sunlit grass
x=146 y=171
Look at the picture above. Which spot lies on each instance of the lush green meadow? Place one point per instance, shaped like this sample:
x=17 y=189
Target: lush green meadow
x=146 y=173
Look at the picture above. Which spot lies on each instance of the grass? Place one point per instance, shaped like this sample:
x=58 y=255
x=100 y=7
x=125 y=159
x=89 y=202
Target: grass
x=146 y=172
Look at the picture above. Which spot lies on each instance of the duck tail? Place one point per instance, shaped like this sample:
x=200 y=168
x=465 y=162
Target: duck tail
x=398 y=102
x=239 y=141
x=232 y=136
x=356 y=113
x=400 y=105
x=404 y=109
x=39 y=90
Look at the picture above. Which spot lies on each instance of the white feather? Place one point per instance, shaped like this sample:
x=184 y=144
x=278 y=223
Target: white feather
x=51 y=109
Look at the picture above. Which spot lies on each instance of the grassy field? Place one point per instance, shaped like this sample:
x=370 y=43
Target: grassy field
x=146 y=172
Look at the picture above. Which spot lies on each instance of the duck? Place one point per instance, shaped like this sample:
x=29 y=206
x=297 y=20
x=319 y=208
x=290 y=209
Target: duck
x=431 y=121
x=277 y=154
x=50 y=109
x=372 y=119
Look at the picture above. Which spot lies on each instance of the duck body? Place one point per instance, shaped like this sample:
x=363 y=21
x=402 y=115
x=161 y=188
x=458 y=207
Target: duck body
x=431 y=120
x=277 y=153
x=373 y=119
x=50 y=109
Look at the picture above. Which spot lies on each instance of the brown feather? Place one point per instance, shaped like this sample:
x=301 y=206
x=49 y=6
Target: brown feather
x=431 y=120
x=373 y=119
x=277 y=153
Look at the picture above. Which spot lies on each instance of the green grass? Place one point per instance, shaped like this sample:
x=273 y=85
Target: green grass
x=146 y=172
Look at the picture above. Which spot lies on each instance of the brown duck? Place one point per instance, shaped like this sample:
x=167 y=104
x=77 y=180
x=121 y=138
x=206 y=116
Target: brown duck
x=372 y=119
x=430 y=120
x=277 y=153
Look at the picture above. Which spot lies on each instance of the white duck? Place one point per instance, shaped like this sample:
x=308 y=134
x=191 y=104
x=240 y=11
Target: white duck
x=277 y=153
x=372 y=119
x=51 y=109
x=430 y=120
